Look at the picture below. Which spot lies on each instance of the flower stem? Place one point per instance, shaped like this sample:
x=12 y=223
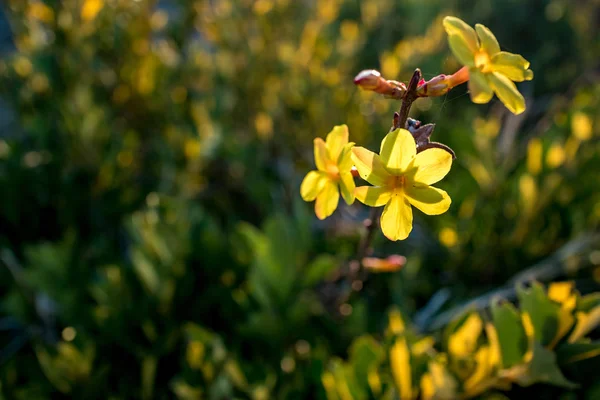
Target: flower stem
x=409 y=98
x=356 y=273
x=399 y=121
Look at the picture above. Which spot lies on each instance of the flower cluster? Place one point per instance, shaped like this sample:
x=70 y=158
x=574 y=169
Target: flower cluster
x=408 y=162
x=400 y=178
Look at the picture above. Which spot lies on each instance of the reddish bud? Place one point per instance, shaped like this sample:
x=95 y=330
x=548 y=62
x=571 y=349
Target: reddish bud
x=441 y=84
x=370 y=79
x=392 y=263
x=437 y=86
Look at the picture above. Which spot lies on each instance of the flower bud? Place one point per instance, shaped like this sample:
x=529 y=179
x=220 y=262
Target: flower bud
x=441 y=84
x=437 y=86
x=390 y=264
x=370 y=79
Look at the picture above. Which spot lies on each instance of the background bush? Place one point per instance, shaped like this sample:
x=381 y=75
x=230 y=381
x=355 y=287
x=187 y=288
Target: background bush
x=152 y=238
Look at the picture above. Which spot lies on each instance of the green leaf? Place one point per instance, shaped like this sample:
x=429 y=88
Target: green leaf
x=196 y=332
x=588 y=302
x=365 y=355
x=544 y=313
x=511 y=334
x=543 y=368
x=580 y=360
x=266 y=278
x=495 y=396
x=145 y=270
x=574 y=352
x=347 y=386
x=149 y=364
x=317 y=270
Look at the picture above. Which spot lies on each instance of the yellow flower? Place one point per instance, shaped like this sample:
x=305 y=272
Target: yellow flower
x=490 y=70
x=401 y=177
x=334 y=165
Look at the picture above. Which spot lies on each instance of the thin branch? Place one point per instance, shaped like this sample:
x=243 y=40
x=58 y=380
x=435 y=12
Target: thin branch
x=545 y=271
x=356 y=273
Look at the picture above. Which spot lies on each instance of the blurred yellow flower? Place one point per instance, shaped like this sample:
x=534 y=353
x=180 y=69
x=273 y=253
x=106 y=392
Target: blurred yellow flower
x=448 y=237
x=581 y=126
x=332 y=157
x=90 y=9
x=40 y=11
x=401 y=177
x=490 y=70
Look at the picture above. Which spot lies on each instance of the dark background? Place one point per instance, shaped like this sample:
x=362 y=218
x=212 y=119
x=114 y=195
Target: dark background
x=153 y=243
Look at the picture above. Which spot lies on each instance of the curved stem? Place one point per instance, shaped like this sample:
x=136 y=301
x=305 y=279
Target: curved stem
x=357 y=274
x=399 y=121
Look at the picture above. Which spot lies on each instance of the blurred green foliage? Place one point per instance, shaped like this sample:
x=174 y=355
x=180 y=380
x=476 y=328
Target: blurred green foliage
x=152 y=239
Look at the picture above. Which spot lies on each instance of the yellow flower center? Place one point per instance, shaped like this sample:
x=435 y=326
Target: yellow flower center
x=396 y=182
x=333 y=171
x=483 y=62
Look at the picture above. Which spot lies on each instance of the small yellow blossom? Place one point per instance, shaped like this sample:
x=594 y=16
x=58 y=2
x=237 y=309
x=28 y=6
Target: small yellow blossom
x=401 y=178
x=334 y=166
x=90 y=9
x=490 y=70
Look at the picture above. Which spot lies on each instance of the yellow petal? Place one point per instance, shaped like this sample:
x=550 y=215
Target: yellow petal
x=312 y=185
x=327 y=200
x=507 y=92
x=430 y=200
x=427 y=386
x=335 y=141
x=432 y=165
x=398 y=149
x=487 y=40
x=396 y=220
x=482 y=372
x=444 y=385
x=479 y=88
x=560 y=292
x=400 y=365
x=344 y=161
x=457 y=27
x=461 y=50
x=369 y=166
x=495 y=355
x=374 y=196
x=347 y=187
x=463 y=341
x=320 y=154
x=586 y=322
x=513 y=66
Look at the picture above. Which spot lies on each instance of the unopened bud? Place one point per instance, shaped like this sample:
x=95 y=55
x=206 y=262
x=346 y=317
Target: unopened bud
x=441 y=84
x=437 y=86
x=370 y=79
x=390 y=264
